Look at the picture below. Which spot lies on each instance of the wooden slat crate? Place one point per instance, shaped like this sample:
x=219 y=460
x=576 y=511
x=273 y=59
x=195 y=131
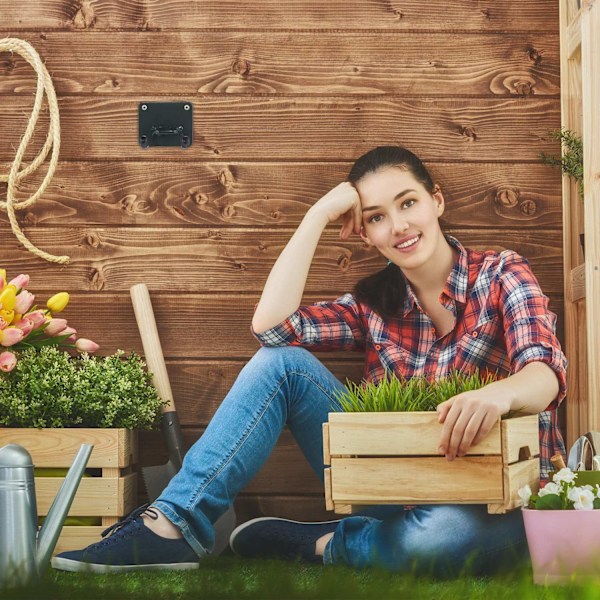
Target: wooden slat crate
x=108 y=497
x=392 y=458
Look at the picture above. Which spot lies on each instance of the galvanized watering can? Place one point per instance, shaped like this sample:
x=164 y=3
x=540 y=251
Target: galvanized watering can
x=25 y=554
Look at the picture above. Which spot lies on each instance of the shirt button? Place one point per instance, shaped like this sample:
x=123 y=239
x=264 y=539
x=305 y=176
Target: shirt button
x=474 y=333
x=377 y=347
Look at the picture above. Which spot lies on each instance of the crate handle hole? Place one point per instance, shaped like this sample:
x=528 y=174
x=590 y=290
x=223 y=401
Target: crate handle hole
x=524 y=453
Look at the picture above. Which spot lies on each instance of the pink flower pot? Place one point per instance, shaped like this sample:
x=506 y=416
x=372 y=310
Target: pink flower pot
x=563 y=544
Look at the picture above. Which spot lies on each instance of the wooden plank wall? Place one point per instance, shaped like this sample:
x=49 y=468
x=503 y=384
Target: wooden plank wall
x=285 y=96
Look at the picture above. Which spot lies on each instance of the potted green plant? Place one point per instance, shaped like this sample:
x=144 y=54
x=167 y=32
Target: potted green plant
x=562 y=521
x=382 y=448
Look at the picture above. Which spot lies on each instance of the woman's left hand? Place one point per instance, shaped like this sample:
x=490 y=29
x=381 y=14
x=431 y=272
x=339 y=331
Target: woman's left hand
x=469 y=417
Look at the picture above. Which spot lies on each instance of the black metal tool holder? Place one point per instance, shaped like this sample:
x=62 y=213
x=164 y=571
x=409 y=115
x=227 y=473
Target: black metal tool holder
x=165 y=124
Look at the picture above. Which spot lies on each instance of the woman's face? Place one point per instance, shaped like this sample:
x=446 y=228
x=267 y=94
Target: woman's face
x=396 y=209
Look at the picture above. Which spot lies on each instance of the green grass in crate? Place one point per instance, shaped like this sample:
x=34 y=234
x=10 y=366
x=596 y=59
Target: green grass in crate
x=229 y=577
x=395 y=394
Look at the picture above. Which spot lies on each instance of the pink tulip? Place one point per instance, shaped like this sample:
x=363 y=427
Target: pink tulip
x=55 y=326
x=38 y=317
x=7 y=361
x=25 y=325
x=20 y=281
x=3 y=323
x=84 y=345
x=24 y=302
x=11 y=336
x=72 y=331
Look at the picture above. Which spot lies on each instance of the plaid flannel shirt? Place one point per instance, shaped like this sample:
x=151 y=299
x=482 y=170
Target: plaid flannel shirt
x=502 y=324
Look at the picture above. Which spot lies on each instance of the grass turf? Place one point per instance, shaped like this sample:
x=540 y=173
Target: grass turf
x=230 y=577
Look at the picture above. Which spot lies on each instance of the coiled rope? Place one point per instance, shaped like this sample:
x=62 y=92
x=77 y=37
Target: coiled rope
x=44 y=83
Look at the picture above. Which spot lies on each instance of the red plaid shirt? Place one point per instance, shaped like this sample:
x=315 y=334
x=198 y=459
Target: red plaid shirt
x=502 y=324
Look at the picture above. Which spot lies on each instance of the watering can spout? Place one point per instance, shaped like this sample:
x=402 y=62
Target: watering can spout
x=50 y=531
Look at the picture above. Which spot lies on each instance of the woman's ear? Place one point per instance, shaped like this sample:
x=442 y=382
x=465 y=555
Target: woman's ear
x=439 y=199
x=364 y=236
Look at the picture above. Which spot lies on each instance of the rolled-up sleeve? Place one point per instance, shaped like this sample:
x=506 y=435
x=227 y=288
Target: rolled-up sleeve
x=330 y=325
x=529 y=325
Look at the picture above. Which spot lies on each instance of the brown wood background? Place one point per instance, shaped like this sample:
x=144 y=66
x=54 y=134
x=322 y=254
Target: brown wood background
x=286 y=95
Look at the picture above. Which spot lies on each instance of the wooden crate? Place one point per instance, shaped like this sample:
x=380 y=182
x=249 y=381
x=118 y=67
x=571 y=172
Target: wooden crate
x=392 y=458
x=109 y=496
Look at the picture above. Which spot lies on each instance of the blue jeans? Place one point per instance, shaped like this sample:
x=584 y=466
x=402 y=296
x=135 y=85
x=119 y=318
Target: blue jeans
x=288 y=385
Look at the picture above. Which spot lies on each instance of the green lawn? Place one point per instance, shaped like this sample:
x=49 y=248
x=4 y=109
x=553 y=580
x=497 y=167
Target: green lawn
x=229 y=577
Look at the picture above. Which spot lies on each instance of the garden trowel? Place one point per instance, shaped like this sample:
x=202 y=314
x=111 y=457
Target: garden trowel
x=156 y=478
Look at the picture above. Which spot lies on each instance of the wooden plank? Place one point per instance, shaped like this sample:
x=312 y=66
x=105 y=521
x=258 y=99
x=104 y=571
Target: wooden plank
x=120 y=193
x=576 y=288
x=520 y=433
x=416 y=63
x=590 y=75
x=431 y=480
x=231 y=259
x=328 y=498
x=437 y=15
x=95 y=497
x=58 y=447
x=515 y=477
x=326 y=451
x=73 y=537
x=574 y=36
x=392 y=434
x=298 y=128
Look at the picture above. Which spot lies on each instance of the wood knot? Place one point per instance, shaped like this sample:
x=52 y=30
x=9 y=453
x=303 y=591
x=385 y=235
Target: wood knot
x=262 y=247
x=507 y=197
x=96 y=280
x=43 y=36
x=241 y=67
x=148 y=25
x=131 y=205
x=228 y=211
x=85 y=17
x=528 y=207
x=30 y=219
x=535 y=56
x=8 y=65
x=469 y=132
x=486 y=12
x=523 y=88
x=199 y=198
x=240 y=266
x=93 y=239
x=214 y=234
x=398 y=14
x=275 y=215
x=344 y=263
x=226 y=178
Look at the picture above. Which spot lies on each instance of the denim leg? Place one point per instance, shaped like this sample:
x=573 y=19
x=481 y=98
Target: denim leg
x=277 y=386
x=438 y=540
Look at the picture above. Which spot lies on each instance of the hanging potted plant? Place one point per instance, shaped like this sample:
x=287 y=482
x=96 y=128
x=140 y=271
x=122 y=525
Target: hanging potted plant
x=562 y=522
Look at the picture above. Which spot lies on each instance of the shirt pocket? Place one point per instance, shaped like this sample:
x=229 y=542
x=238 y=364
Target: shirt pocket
x=480 y=345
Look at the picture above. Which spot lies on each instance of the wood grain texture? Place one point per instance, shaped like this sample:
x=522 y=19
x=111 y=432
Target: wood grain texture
x=120 y=63
x=232 y=259
x=299 y=128
x=227 y=194
x=147 y=15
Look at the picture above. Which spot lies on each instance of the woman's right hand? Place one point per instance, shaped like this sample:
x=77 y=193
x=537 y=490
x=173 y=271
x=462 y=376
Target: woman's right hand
x=342 y=201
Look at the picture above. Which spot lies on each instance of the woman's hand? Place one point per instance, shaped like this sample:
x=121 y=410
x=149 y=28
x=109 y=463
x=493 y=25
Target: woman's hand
x=469 y=417
x=342 y=201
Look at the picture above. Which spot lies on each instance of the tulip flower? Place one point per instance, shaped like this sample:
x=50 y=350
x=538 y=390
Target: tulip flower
x=71 y=339
x=10 y=336
x=25 y=325
x=24 y=301
x=58 y=302
x=3 y=323
x=2 y=278
x=85 y=345
x=20 y=281
x=55 y=327
x=7 y=315
x=7 y=361
x=38 y=317
x=8 y=297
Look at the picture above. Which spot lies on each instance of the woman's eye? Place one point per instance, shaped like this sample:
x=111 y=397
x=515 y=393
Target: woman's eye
x=409 y=200
x=372 y=219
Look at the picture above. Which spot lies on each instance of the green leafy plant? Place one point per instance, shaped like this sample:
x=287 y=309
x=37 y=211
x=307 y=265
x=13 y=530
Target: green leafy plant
x=50 y=388
x=395 y=394
x=571 y=161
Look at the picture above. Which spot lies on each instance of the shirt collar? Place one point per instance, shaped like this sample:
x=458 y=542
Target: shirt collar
x=456 y=284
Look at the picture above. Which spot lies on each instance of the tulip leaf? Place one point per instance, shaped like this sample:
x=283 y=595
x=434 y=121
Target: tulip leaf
x=596 y=502
x=549 y=502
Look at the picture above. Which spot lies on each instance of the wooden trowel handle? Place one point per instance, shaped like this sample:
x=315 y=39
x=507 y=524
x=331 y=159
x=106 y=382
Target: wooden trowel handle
x=144 y=315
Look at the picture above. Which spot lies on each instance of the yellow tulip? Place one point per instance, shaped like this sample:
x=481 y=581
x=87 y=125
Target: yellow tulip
x=8 y=297
x=7 y=315
x=58 y=302
x=2 y=278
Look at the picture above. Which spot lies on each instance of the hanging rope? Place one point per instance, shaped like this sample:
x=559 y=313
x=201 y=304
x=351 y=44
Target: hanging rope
x=44 y=83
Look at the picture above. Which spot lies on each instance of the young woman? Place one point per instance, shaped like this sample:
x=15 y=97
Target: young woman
x=436 y=306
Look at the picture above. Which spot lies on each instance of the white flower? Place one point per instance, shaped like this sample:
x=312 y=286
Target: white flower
x=550 y=488
x=525 y=494
x=583 y=499
x=565 y=475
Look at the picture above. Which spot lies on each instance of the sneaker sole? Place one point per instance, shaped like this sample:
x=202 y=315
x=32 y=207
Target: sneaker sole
x=67 y=564
x=258 y=519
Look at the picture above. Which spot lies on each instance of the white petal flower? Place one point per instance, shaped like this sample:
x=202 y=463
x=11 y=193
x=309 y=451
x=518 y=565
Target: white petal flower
x=583 y=499
x=565 y=475
x=525 y=494
x=550 y=488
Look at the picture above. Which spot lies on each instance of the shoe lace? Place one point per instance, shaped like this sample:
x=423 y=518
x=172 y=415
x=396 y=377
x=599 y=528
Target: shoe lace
x=130 y=518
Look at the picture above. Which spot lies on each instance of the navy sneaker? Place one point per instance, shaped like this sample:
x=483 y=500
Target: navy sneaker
x=131 y=546
x=271 y=537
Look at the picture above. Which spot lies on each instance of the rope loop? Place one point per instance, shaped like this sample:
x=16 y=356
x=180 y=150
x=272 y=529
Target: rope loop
x=44 y=84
